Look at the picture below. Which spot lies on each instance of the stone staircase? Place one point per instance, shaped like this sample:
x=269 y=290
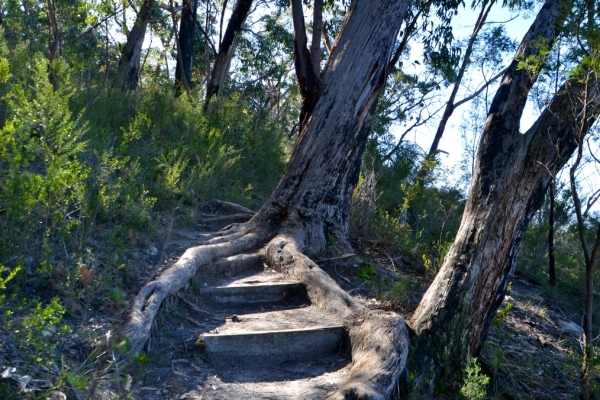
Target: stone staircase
x=290 y=330
x=270 y=342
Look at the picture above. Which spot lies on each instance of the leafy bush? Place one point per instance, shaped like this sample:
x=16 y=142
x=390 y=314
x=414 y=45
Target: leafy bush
x=474 y=386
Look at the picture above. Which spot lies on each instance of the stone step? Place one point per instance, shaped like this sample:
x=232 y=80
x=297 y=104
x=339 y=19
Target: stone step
x=270 y=338
x=259 y=290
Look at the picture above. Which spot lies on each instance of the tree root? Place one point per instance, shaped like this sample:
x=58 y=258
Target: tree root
x=379 y=340
x=220 y=221
x=146 y=304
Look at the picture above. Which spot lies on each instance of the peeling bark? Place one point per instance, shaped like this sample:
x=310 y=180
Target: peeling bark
x=512 y=174
x=324 y=167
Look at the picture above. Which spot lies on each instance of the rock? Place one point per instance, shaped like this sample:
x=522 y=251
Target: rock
x=57 y=395
x=152 y=250
x=570 y=327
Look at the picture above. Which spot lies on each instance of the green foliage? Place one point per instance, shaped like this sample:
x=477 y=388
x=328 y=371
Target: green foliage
x=398 y=218
x=11 y=274
x=41 y=173
x=83 y=189
x=501 y=315
x=36 y=326
x=366 y=272
x=4 y=70
x=474 y=386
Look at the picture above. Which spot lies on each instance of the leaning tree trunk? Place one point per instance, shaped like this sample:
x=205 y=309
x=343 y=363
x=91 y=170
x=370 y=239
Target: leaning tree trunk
x=310 y=206
x=129 y=63
x=187 y=30
x=220 y=69
x=512 y=173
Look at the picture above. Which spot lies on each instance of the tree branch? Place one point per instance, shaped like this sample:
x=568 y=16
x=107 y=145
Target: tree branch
x=327 y=41
x=407 y=33
x=210 y=43
x=481 y=89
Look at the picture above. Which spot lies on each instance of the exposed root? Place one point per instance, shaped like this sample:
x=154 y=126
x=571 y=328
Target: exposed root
x=379 y=340
x=226 y=207
x=146 y=304
x=283 y=255
x=217 y=222
x=227 y=237
x=380 y=344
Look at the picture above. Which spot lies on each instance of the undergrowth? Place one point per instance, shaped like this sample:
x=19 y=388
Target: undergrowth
x=84 y=190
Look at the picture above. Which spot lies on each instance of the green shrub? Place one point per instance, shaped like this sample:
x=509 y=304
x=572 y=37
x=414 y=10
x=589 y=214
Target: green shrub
x=474 y=386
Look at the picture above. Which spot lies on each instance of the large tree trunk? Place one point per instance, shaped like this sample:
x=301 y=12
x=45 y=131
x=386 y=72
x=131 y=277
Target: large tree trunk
x=220 y=69
x=512 y=173
x=187 y=30
x=310 y=206
x=129 y=63
x=316 y=187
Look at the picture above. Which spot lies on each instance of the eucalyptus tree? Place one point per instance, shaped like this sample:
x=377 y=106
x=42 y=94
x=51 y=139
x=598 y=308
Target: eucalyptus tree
x=512 y=173
x=311 y=203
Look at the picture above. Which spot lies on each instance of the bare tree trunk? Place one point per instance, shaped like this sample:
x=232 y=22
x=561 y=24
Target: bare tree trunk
x=220 y=70
x=590 y=107
x=187 y=30
x=590 y=256
x=512 y=173
x=129 y=63
x=54 y=39
x=184 y=82
x=318 y=182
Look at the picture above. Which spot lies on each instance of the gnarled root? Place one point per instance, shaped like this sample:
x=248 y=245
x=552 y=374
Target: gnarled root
x=380 y=343
x=379 y=340
x=146 y=304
